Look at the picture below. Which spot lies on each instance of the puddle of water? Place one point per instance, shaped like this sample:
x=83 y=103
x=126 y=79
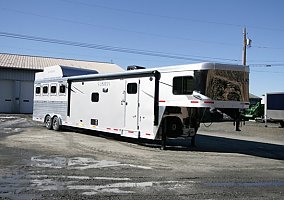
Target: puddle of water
x=13 y=185
x=74 y=182
x=78 y=177
x=45 y=184
x=120 y=188
x=80 y=163
x=247 y=184
x=8 y=117
x=129 y=187
x=55 y=162
x=90 y=163
x=111 y=178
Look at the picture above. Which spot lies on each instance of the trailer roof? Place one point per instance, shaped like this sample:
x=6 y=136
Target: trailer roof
x=59 y=71
x=169 y=69
x=203 y=66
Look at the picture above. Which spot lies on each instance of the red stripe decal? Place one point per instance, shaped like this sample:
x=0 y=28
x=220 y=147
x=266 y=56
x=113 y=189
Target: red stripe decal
x=209 y=102
x=148 y=133
x=115 y=129
x=162 y=101
x=194 y=101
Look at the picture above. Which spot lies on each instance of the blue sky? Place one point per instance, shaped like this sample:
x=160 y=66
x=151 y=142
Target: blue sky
x=189 y=30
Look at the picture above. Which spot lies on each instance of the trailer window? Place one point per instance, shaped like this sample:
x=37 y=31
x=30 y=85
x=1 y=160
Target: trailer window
x=37 y=90
x=183 y=85
x=45 y=89
x=62 y=89
x=53 y=89
x=95 y=97
x=131 y=88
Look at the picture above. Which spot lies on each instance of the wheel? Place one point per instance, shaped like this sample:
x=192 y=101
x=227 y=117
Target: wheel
x=281 y=124
x=193 y=141
x=55 y=123
x=164 y=139
x=48 y=122
x=163 y=144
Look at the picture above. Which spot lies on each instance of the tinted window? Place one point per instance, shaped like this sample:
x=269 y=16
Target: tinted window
x=37 y=90
x=275 y=101
x=45 y=89
x=53 y=89
x=62 y=89
x=183 y=85
x=95 y=97
x=132 y=88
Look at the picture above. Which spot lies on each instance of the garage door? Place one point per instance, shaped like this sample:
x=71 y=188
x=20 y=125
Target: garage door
x=6 y=96
x=26 y=97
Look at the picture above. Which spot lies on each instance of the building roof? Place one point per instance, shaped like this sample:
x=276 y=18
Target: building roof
x=38 y=63
x=252 y=96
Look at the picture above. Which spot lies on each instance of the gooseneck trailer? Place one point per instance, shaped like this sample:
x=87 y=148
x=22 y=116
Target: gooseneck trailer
x=155 y=104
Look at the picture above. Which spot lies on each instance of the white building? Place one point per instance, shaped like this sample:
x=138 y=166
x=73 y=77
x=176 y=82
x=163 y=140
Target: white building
x=17 y=73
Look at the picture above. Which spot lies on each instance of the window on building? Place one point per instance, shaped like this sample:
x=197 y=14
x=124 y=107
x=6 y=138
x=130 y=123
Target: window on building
x=45 y=89
x=53 y=89
x=37 y=90
x=95 y=97
x=62 y=89
x=131 y=88
x=183 y=85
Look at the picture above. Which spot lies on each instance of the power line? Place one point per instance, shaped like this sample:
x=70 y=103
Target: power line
x=266 y=71
x=150 y=14
x=266 y=47
x=267 y=65
x=110 y=58
x=171 y=17
x=114 y=28
x=130 y=31
x=113 y=48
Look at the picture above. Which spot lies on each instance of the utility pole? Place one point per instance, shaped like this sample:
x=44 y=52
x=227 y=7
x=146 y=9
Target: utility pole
x=245 y=47
x=246 y=43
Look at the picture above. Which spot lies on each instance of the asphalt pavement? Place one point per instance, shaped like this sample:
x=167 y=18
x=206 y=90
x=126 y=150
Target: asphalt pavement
x=36 y=163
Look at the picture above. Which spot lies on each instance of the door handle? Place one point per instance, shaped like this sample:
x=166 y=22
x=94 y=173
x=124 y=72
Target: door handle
x=123 y=102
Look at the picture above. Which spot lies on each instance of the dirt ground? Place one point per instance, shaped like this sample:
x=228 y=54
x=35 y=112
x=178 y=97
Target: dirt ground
x=36 y=163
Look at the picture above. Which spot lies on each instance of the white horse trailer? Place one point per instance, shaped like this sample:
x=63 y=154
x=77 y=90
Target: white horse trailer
x=274 y=107
x=153 y=104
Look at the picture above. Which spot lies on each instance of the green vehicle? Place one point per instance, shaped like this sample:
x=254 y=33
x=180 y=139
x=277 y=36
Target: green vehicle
x=253 y=112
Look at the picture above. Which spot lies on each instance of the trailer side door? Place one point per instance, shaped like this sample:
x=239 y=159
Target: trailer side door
x=146 y=107
x=131 y=111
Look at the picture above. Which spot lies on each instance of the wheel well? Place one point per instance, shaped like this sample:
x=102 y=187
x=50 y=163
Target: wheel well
x=59 y=119
x=172 y=126
x=46 y=117
x=52 y=117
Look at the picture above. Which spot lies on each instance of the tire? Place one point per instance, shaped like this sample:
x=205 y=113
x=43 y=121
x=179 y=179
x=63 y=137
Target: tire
x=281 y=124
x=56 y=123
x=164 y=136
x=48 y=122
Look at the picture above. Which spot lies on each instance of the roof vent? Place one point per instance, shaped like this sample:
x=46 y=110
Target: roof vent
x=134 y=67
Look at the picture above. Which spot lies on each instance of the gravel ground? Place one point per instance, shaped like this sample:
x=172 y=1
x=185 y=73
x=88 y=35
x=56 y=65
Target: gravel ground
x=40 y=164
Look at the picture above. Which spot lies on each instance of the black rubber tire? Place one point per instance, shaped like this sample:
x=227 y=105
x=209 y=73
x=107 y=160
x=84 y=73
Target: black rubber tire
x=55 y=123
x=48 y=122
x=281 y=124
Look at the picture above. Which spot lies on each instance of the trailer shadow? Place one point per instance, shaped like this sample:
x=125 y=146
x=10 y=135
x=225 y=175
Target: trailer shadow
x=216 y=144
x=204 y=143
